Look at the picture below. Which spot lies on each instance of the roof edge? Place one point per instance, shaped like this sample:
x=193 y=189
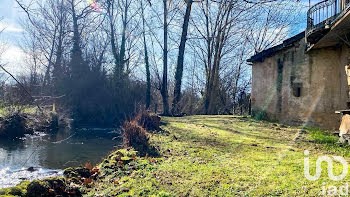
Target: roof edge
x=259 y=57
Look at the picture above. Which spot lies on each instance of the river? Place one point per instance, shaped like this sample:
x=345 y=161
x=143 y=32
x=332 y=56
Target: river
x=50 y=154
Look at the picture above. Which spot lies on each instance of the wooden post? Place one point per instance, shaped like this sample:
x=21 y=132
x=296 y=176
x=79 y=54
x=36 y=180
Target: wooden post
x=347 y=71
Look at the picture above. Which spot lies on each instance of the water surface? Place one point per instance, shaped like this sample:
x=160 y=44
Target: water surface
x=49 y=154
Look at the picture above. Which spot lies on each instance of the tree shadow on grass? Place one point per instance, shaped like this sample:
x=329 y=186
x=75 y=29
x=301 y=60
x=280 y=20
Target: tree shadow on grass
x=192 y=138
x=277 y=140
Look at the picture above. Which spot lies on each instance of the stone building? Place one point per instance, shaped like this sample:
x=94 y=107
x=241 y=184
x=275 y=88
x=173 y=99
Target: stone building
x=303 y=81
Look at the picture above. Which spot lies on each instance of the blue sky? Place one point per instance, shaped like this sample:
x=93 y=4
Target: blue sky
x=12 y=14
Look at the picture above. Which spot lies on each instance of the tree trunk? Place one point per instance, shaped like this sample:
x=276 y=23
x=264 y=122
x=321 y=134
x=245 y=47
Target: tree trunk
x=213 y=83
x=123 y=43
x=208 y=67
x=148 y=73
x=77 y=63
x=47 y=81
x=164 y=90
x=180 y=60
x=58 y=72
x=115 y=52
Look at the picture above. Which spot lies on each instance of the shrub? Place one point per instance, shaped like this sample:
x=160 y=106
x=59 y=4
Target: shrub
x=148 y=121
x=260 y=115
x=14 y=126
x=135 y=136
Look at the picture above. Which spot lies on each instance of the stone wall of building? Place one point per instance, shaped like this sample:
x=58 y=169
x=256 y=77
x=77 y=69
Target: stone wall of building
x=298 y=88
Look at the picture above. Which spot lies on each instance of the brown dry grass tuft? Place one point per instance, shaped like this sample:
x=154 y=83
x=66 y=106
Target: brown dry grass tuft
x=135 y=136
x=148 y=121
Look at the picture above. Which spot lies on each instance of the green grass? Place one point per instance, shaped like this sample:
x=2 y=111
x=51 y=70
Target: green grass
x=25 y=109
x=221 y=156
x=227 y=156
x=329 y=142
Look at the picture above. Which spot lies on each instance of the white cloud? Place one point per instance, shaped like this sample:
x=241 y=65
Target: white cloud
x=10 y=27
x=13 y=58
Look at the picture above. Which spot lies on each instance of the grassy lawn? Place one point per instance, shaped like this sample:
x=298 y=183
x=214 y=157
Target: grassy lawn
x=227 y=156
x=220 y=156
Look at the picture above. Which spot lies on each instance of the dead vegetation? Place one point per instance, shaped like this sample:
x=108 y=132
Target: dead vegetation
x=136 y=133
x=45 y=121
x=148 y=121
x=135 y=136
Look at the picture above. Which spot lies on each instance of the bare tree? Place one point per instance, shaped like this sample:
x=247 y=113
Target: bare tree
x=122 y=9
x=180 y=60
x=49 y=31
x=271 y=23
x=163 y=20
x=164 y=90
x=148 y=73
x=222 y=44
x=73 y=46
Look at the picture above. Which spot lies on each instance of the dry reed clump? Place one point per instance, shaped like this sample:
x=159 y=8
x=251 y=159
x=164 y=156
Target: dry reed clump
x=135 y=136
x=148 y=121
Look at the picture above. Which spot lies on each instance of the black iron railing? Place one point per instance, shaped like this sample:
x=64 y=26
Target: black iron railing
x=325 y=13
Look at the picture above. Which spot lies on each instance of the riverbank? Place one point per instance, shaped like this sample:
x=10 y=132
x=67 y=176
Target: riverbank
x=213 y=155
x=18 y=121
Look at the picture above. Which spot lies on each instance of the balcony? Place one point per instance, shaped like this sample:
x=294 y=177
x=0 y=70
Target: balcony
x=322 y=16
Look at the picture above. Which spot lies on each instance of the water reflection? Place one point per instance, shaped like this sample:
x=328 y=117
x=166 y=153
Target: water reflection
x=49 y=153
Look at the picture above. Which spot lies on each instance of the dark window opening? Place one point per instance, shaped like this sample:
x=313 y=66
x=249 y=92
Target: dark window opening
x=297 y=89
x=298 y=92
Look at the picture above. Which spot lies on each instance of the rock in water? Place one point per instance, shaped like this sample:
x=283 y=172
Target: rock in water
x=31 y=169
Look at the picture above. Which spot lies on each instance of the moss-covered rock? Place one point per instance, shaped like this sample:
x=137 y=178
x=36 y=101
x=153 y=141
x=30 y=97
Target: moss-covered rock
x=50 y=187
x=76 y=172
x=38 y=188
x=18 y=190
